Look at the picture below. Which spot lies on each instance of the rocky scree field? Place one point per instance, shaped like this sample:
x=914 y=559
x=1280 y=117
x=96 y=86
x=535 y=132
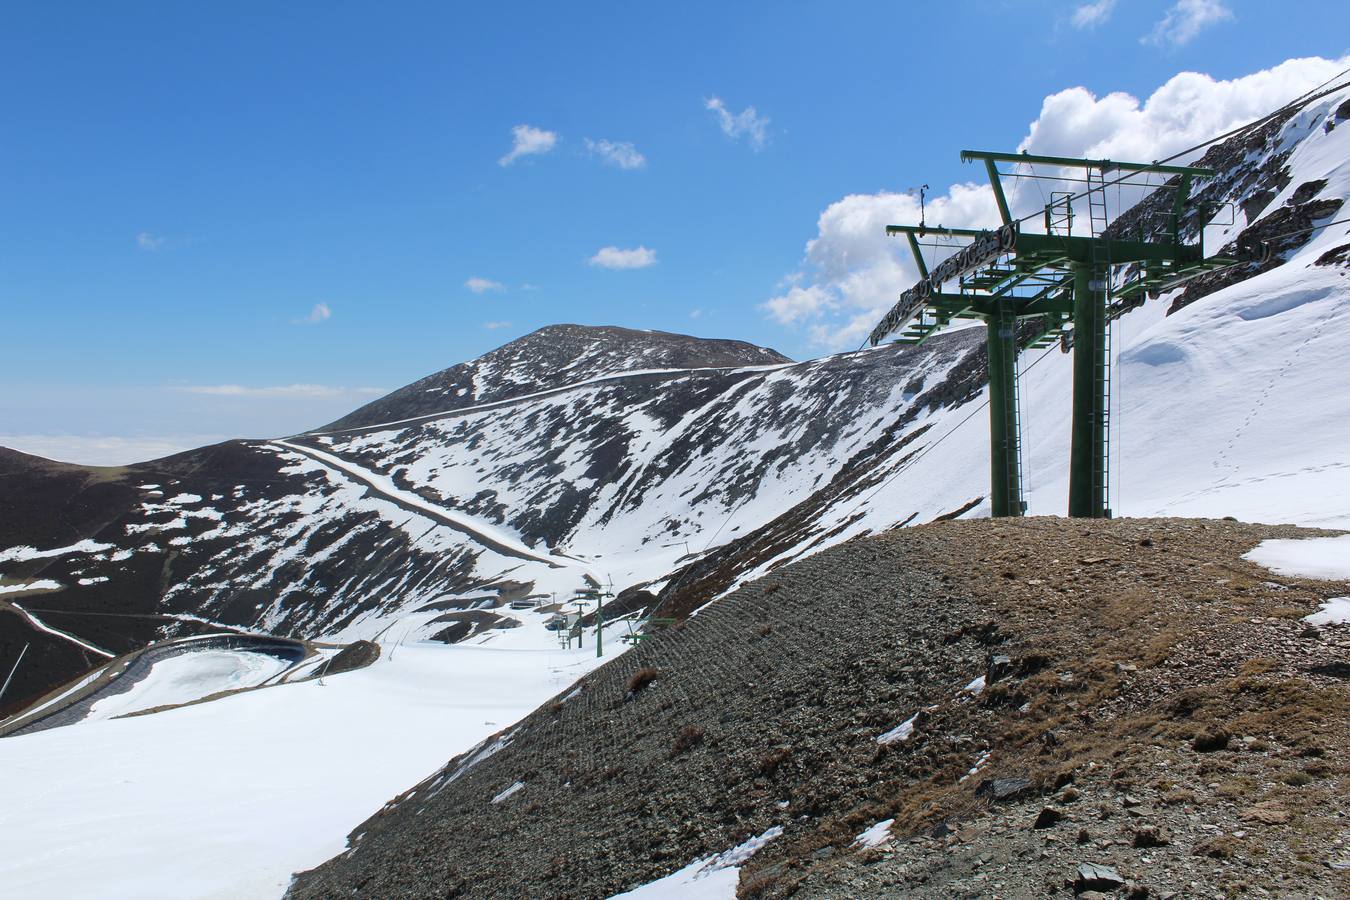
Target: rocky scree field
x=1038 y=707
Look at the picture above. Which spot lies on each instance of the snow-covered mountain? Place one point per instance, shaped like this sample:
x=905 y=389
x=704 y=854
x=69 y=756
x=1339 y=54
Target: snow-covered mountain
x=553 y=357
x=677 y=467
x=537 y=490
x=672 y=468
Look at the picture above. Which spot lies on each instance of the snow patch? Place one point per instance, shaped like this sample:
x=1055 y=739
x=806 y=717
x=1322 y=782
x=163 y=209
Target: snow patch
x=710 y=878
x=1326 y=559
x=45 y=584
x=122 y=805
x=1335 y=611
x=23 y=554
x=508 y=792
x=876 y=835
x=901 y=732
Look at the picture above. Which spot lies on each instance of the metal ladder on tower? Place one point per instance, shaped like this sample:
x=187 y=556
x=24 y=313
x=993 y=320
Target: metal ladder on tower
x=1101 y=264
x=1016 y=427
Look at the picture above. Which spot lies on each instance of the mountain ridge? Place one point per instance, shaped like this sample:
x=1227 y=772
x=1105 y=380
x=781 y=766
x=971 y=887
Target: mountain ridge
x=326 y=531
x=550 y=357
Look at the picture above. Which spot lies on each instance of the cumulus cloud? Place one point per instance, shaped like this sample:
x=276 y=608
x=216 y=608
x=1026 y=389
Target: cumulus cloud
x=147 y=241
x=1184 y=20
x=528 y=141
x=320 y=313
x=483 y=285
x=1187 y=109
x=282 y=390
x=616 y=153
x=493 y=326
x=616 y=258
x=747 y=123
x=851 y=272
x=1090 y=15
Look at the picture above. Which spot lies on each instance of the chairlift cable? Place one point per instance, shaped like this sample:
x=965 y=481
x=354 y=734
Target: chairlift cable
x=924 y=452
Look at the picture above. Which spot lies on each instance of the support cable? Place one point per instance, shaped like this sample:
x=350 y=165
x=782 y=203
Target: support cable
x=801 y=426
x=926 y=450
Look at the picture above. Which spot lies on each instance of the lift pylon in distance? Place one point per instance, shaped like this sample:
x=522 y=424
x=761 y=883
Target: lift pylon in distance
x=1030 y=287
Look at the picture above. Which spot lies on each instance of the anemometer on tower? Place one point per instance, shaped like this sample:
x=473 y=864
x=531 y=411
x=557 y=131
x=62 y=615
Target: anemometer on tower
x=1031 y=289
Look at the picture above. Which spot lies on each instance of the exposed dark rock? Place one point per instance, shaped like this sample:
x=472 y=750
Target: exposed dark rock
x=787 y=724
x=354 y=656
x=999 y=790
x=1048 y=817
x=1096 y=877
x=468 y=623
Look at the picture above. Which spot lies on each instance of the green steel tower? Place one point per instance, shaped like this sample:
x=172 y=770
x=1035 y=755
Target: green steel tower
x=1032 y=289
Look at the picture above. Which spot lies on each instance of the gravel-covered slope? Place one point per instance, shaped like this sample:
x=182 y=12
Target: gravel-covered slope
x=1140 y=675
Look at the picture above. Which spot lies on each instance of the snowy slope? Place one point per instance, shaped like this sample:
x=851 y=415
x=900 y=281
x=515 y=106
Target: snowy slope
x=670 y=472
x=653 y=478
x=1233 y=405
x=226 y=799
x=619 y=478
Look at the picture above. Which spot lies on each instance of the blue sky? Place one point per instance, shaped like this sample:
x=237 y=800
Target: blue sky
x=247 y=218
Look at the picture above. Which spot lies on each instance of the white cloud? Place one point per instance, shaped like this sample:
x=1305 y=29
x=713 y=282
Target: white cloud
x=852 y=273
x=320 y=313
x=801 y=303
x=695 y=313
x=483 y=285
x=1090 y=15
x=528 y=141
x=147 y=241
x=1187 y=109
x=282 y=390
x=494 y=326
x=747 y=123
x=1185 y=19
x=617 y=153
x=615 y=258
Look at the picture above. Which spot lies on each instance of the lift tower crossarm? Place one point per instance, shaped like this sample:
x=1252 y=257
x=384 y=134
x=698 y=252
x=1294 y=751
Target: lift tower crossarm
x=914 y=232
x=1105 y=165
x=922 y=230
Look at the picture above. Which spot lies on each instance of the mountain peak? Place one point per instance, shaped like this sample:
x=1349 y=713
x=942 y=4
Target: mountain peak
x=553 y=356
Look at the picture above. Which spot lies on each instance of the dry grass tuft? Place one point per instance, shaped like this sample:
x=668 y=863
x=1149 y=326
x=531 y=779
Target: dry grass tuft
x=641 y=678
